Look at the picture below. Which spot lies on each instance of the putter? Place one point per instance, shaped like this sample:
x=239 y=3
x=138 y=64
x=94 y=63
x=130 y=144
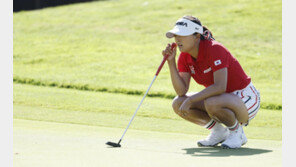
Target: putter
x=113 y=144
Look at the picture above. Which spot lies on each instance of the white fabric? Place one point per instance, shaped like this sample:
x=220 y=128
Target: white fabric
x=235 y=139
x=184 y=27
x=209 y=123
x=251 y=97
x=217 y=135
x=233 y=126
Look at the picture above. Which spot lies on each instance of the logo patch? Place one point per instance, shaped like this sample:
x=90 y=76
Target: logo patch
x=217 y=62
x=182 y=24
x=207 y=70
x=192 y=69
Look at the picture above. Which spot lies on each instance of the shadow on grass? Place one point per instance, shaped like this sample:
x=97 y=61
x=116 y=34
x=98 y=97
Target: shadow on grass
x=219 y=152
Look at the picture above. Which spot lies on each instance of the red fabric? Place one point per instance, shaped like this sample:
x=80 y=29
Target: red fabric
x=213 y=56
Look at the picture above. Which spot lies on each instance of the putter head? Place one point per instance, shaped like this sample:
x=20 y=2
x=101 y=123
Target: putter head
x=113 y=144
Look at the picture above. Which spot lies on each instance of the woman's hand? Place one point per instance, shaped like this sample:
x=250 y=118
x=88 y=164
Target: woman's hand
x=185 y=107
x=170 y=52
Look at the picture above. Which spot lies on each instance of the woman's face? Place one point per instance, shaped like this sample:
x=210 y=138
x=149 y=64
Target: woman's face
x=187 y=43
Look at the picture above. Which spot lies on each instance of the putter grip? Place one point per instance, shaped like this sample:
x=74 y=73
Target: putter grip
x=164 y=59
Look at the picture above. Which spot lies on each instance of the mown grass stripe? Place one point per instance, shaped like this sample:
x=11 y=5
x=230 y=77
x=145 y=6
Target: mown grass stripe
x=85 y=87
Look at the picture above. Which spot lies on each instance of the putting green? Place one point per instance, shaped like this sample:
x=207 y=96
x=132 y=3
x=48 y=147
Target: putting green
x=39 y=143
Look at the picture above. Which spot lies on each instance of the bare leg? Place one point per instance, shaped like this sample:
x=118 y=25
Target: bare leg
x=197 y=113
x=225 y=116
x=226 y=108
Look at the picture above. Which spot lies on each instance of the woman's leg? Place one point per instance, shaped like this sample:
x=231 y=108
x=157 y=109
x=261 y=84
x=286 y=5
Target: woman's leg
x=224 y=108
x=199 y=116
x=197 y=113
x=227 y=108
x=230 y=110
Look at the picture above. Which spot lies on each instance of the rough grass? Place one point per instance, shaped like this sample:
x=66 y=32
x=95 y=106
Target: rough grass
x=116 y=46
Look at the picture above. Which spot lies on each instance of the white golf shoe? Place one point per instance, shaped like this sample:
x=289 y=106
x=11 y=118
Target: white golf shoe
x=235 y=139
x=216 y=136
x=244 y=138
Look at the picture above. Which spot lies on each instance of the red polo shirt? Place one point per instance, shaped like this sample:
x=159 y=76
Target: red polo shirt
x=213 y=56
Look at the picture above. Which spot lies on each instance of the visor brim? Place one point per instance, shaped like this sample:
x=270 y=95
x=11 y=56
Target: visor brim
x=177 y=31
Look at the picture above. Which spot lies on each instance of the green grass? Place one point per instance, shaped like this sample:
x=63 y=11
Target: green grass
x=116 y=110
x=115 y=46
x=48 y=144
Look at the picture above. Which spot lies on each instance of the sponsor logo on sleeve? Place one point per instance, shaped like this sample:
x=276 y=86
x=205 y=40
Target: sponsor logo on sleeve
x=192 y=69
x=217 y=62
x=207 y=70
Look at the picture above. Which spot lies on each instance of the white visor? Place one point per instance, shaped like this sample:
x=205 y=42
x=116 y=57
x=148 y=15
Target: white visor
x=184 y=27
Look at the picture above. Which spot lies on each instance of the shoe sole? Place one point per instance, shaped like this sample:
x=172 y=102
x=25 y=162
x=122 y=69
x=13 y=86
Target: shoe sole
x=224 y=146
x=202 y=145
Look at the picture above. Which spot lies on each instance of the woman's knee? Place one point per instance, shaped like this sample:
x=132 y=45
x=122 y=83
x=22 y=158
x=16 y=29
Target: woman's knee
x=177 y=102
x=211 y=105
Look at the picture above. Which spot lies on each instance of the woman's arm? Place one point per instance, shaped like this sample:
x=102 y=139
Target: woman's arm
x=219 y=87
x=180 y=80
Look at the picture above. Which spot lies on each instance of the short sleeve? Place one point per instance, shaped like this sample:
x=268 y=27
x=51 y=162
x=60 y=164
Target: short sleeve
x=218 y=57
x=182 y=63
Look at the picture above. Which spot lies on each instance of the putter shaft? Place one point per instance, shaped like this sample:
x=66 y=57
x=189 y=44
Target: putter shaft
x=137 y=108
x=156 y=74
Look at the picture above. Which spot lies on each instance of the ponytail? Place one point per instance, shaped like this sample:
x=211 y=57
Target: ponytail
x=207 y=34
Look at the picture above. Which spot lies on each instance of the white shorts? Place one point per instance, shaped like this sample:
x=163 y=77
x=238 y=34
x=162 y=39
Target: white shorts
x=251 y=97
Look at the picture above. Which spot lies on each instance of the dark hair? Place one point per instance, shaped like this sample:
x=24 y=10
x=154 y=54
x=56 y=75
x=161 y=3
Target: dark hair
x=207 y=34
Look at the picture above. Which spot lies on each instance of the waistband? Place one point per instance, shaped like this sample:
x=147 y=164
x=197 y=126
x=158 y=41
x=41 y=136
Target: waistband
x=248 y=86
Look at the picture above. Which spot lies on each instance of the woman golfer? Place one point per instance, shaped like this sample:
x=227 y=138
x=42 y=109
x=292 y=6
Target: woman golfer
x=229 y=96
